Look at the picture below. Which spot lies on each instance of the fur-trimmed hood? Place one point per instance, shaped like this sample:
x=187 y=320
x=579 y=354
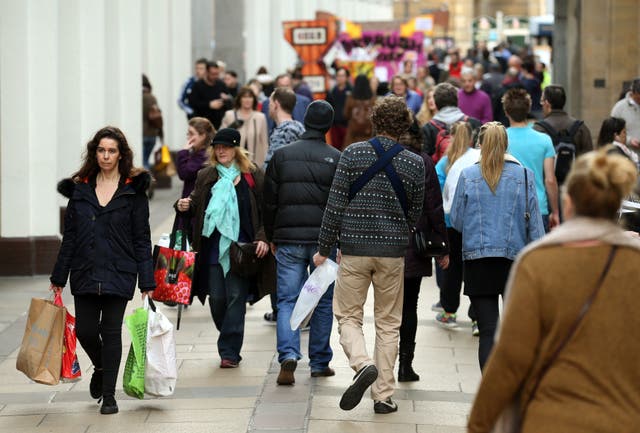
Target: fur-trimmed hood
x=140 y=183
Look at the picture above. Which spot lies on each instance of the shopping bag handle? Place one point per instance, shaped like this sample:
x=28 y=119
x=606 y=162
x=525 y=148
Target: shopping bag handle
x=149 y=304
x=186 y=231
x=57 y=300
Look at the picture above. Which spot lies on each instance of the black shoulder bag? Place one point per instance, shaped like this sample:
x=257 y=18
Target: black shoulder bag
x=243 y=258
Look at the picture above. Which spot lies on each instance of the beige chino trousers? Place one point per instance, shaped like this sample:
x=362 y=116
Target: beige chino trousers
x=355 y=275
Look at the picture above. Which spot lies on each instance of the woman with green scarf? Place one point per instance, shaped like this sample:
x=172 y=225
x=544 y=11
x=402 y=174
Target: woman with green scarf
x=226 y=204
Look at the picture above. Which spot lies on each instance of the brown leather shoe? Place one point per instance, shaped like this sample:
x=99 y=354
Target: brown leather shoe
x=325 y=372
x=228 y=363
x=287 y=368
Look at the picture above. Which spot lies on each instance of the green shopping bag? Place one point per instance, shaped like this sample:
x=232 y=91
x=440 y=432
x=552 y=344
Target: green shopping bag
x=133 y=381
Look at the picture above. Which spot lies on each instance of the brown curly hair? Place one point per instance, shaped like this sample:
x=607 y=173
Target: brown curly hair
x=391 y=116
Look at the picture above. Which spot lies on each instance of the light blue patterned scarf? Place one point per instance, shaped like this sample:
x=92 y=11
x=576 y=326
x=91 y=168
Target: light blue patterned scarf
x=222 y=213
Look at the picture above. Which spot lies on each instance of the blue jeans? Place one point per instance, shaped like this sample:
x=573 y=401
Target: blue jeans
x=227 y=301
x=293 y=263
x=148 y=143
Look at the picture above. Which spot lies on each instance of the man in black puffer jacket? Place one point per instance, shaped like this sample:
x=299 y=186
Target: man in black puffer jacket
x=296 y=190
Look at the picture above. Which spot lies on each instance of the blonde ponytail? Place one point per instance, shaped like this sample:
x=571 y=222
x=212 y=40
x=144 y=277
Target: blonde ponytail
x=493 y=145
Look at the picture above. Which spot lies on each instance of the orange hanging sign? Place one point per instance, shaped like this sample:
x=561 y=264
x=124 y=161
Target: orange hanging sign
x=312 y=40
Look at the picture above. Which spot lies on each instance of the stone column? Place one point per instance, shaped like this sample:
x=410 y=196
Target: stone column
x=68 y=68
x=229 y=31
x=28 y=131
x=202 y=13
x=166 y=59
x=592 y=69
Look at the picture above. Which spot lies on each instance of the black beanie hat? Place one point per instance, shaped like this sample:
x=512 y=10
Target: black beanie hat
x=227 y=136
x=319 y=116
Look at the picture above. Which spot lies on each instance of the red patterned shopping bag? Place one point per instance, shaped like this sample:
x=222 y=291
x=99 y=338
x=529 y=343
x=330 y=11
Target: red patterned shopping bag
x=173 y=275
x=70 y=371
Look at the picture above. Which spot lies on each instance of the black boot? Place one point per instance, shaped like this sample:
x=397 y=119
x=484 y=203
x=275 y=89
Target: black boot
x=109 y=405
x=405 y=370
x=95 y=386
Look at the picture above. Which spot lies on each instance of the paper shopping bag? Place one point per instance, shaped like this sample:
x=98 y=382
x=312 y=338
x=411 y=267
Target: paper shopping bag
x=40 y=356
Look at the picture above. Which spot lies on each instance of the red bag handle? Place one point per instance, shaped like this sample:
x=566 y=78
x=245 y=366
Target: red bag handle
x=57 y=300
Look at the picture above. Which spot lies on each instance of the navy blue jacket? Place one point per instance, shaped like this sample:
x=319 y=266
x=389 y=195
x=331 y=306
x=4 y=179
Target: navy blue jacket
x=106 y=248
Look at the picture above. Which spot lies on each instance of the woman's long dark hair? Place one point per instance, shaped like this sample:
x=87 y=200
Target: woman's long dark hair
x=362 y=88
x=90 y=167
x=610 y=127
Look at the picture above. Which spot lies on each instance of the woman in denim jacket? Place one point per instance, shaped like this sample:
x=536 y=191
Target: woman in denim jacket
x=489 y=208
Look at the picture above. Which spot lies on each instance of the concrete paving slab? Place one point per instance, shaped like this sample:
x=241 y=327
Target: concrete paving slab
x=112 y=421
x=41 y=429
x=8 y=423
x=279 y=431
x=211 y=415
x=443 y=409
x=440 y=429
x=323 y=426
x=274 y=416
x=190 y=427
x=26 y=395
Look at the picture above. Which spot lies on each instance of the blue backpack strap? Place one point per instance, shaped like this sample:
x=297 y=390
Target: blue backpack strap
x=383 y=163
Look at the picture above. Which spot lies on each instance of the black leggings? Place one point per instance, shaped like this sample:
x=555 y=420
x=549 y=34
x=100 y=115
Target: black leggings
x=99 y=331
x=486 y=308
x=409 y=323
x=450 y=280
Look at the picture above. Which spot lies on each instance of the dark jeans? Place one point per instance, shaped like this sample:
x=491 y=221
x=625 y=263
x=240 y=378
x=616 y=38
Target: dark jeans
x=545 y=223
x=450 y=280
x=486 y=308
x=409 y=323
x=227 y=301
x=99 y=331
x=148 y=143
x=273 y=297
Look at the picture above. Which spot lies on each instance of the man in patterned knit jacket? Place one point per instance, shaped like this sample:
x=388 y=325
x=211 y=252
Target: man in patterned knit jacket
x=373 y=233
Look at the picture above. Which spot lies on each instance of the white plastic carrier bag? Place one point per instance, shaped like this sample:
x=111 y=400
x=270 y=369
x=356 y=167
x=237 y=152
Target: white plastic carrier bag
x=313 y=289
x=161 y=372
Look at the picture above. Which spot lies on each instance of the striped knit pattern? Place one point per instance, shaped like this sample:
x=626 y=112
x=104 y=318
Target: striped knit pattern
x=373 y=223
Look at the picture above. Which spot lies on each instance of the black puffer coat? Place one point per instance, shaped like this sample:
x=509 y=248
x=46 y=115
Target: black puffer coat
x=296 y=189
x=106 y=248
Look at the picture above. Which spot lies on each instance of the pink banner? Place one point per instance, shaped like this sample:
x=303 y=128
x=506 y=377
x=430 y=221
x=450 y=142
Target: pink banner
x=388 y=50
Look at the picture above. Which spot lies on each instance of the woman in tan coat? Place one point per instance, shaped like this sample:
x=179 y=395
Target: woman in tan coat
x=251 y=124
x=561 y=380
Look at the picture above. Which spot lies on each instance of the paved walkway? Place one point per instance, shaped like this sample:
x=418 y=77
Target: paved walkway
x=246 y=399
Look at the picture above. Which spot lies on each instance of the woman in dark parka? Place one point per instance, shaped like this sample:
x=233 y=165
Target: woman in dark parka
x=106 y=247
